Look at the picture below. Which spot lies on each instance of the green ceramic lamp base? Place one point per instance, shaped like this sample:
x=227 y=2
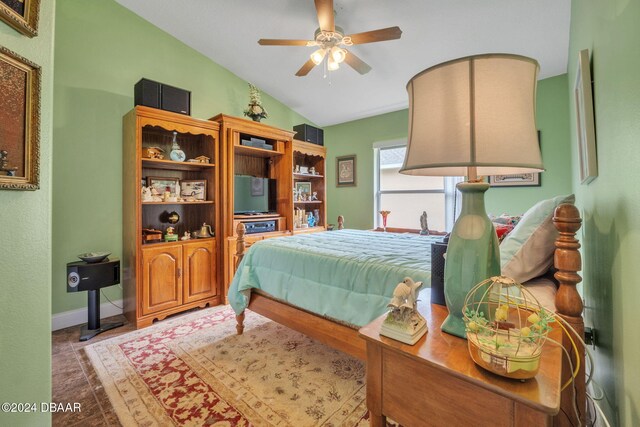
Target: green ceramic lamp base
x=454 y=326
x=472 y=254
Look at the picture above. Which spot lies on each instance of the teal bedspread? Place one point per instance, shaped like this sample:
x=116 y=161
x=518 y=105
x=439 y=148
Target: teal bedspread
x=348 y=275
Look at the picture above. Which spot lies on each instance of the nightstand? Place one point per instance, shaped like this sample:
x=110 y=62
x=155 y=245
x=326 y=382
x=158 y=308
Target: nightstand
x=435 y=382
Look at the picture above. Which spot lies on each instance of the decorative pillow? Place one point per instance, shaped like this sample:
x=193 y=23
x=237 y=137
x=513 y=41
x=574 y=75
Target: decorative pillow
x=527 y=251
x=504 y=224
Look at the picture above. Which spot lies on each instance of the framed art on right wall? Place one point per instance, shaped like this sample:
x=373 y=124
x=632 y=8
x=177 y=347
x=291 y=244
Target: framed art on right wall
x=585 y=123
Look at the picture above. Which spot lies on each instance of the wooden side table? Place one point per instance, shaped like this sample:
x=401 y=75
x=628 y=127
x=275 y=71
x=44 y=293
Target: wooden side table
x=435 y=382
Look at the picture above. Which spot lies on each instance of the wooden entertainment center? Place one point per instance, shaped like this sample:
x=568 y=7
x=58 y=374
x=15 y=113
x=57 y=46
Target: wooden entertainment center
x=165 y=277
x=277 y=163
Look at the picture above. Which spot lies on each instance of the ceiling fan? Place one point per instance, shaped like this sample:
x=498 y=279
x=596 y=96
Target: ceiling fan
x=330 y=39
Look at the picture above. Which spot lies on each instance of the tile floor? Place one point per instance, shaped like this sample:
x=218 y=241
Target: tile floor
x=74 y=379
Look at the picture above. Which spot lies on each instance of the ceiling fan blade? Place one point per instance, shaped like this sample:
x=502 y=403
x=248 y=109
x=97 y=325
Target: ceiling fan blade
x=381 y=35
x=304 y=70
x=284 y=42
x=356 y=63
x=324 y=8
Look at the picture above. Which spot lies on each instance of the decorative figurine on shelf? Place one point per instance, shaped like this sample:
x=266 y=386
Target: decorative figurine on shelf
x=316 y=215
x=155 y=196
x=424 y=225
x=297 y=169
x=146 y=194
x=205 y=231
x=314 y=197
x=170 y=237
x=202 y=159
x=384 y=214
x=177 y=155
x=4 y=164
x=311 y=220
x=312 y=170
x=153 y=153
x=173 y=218
x=255 y=110
x=403 y=322
x=186 y=236
x=166 y=195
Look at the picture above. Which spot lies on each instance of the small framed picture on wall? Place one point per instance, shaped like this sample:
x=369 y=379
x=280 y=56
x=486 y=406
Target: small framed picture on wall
x=531 y=179
x=346 y=171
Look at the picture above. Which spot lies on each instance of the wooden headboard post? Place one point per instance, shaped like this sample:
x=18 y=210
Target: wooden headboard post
x=340 y=222
x=568 y=262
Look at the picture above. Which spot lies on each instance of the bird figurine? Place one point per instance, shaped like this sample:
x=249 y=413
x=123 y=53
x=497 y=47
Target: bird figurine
x=405 y=294
x=403 y=322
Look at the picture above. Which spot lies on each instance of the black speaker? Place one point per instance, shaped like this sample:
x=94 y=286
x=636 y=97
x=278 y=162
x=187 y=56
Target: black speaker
x=147 y=93
x=176 y=100
x=162 y=96
x=83 y=276
x=309 y=133
x=91 y=277
x=438 y=250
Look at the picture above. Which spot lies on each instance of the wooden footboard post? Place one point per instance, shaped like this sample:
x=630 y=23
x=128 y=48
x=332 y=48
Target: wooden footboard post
x=569 y=305
x=340 y=222
x=240 y=323
x=240 y=248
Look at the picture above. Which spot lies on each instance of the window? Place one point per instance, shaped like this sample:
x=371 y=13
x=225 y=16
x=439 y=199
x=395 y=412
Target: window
x=408 y=196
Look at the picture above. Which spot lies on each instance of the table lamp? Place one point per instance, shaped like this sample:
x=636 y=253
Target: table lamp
x=468 y=117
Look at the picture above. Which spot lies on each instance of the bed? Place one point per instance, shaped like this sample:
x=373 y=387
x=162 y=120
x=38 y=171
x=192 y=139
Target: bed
x=311 y=312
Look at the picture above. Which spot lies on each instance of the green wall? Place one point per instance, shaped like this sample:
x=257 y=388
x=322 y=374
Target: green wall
x=101 y=51
x=25 y=253
x=357 y=137
x=610 y=204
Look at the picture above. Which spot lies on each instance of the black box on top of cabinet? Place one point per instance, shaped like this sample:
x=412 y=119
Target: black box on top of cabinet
x=159 y=95
x=309 y=133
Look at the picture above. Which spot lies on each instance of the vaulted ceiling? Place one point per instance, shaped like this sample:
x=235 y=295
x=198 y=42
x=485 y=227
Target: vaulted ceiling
x=433 y=31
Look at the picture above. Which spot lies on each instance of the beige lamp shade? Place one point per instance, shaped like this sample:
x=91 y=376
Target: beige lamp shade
x=474 y=111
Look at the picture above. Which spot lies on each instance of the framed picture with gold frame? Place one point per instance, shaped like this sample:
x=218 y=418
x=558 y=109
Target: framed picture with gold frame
x=20 y=118
x=22 y=15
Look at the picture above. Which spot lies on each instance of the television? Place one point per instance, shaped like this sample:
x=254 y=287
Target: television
x=253 y=195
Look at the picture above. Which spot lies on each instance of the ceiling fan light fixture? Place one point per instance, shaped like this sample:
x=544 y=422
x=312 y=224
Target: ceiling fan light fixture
x=318 y=56
x=332 y=64
x=338 y=54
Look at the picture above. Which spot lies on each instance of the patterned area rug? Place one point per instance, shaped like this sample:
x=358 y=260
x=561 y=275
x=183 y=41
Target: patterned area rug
x=195 y=370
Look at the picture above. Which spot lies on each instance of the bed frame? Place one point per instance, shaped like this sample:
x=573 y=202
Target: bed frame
x=567 y=262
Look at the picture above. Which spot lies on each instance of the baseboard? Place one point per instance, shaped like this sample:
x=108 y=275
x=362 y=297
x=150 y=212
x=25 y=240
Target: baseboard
x=79 y=316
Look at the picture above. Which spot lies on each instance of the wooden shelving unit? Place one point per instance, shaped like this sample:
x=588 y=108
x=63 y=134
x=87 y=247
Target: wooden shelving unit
x=163 y=278
x=311 y=155
x=238 y=159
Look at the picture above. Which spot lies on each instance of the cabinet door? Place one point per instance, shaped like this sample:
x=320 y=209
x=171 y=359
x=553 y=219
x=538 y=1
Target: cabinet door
x=199 y=270
x=161 y=278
